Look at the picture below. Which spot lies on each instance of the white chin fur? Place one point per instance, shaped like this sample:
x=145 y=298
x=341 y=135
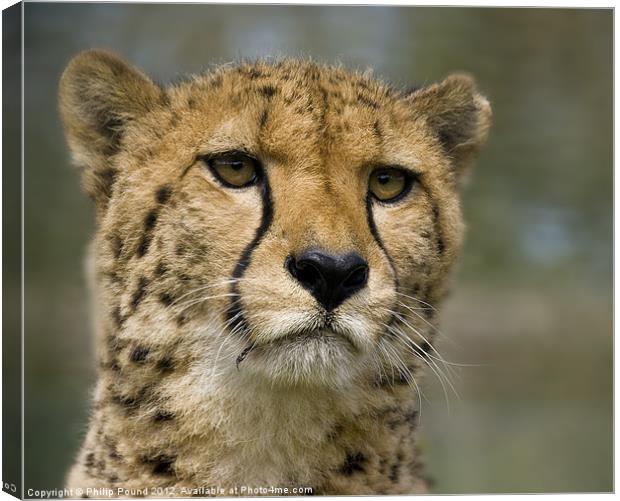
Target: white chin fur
x=318 y=359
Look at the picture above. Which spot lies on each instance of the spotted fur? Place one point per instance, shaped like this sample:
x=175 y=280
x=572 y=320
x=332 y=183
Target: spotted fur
x=216 y=368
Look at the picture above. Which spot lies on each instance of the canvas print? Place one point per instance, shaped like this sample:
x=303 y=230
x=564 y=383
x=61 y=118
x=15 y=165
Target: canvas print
x=286 y=250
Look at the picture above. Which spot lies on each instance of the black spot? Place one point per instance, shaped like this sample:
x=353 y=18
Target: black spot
x=149 y=224
x=191 y=103
x=161 y=269
x=165 y=365
x=268 y=91
x=89 y=461
x=163 y=194
x=111 y=445
x=165 y=299
x=367 y=102
x=441 y=247
x=352 y=463
x=161 y=465
x=112 y=365
x=161 y=416
x=144 y=244
x=394 y=472
x=129 y=403
x=335 y=432
x=149 y=220
x=139 y=354
x=115 y=344
x=180 y=249
x=263 y=118
x=254 y=73
x=140 y=292
x=184 y=277
x=376 y=127
x=117 y=316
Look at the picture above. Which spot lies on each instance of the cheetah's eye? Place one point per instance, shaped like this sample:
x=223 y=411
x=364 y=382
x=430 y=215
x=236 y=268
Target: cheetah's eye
x=388 y=184
x=235 y=170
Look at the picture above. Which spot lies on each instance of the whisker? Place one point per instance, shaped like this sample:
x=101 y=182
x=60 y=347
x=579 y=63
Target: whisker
x=413 y=298
x=410 y=378
x=441 y=376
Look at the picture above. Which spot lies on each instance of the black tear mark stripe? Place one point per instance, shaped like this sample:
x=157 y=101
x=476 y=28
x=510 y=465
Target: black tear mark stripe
x=377 y=237
x=235 y=311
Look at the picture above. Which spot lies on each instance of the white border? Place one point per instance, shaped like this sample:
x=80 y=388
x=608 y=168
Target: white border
x=447 y=3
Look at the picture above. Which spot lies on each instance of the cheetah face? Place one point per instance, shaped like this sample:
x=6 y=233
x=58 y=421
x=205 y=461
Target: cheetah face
x=297 y=221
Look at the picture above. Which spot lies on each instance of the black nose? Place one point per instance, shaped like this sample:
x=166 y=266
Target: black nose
x=330 y=278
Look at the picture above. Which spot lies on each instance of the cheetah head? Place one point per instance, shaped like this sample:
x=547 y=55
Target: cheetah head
x=285 y=221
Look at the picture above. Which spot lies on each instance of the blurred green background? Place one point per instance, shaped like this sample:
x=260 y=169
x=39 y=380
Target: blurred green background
x=532 y=301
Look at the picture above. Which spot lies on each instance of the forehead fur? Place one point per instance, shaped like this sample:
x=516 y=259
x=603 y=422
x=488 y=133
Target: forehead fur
x=293 y=102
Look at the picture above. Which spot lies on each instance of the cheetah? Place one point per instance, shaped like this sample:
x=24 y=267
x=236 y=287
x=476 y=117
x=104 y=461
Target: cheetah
x=273 y=239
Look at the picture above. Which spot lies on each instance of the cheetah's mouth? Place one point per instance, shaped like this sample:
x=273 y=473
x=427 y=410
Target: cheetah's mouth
x=313 y=346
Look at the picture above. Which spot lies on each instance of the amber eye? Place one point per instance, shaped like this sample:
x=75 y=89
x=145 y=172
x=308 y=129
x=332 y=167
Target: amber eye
x=388 y=184
x=234 y=170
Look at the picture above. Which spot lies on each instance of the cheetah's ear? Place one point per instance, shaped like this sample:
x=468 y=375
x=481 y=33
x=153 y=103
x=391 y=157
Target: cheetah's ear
x=99 y=96
x=458 y=114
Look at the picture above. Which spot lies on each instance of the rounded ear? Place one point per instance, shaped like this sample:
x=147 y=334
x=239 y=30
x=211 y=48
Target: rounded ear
x=457 y=114
x=99 y=95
